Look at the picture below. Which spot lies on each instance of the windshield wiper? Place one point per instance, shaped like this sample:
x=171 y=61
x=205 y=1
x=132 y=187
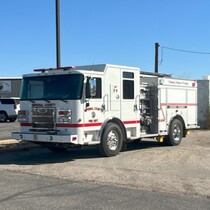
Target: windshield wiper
x=32 y=101
x=64 y=100
x=39 y=99
x=46 y=100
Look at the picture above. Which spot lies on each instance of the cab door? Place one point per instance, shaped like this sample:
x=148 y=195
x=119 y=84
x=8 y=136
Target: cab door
x=112 y=93
x=130 y=102
x=93 y=113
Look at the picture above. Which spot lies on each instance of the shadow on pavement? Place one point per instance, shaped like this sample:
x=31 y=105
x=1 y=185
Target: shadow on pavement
x=41 y=155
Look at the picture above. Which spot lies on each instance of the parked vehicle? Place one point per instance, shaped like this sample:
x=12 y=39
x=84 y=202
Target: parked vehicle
x=17 y=101
x=104 y=105
x=7 y=110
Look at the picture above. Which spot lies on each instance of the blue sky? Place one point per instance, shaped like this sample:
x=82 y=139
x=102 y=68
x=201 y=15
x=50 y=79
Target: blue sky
x=120 y=32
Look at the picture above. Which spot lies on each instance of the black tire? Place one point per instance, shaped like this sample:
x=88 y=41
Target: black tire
x=175 y=133
x=3 y=117
x=12 y=119
x=111 y=140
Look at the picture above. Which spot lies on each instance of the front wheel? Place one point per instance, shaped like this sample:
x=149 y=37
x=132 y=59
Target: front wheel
x=111 y=140
x=12 y=119
x=3 y=117
x=175 y=133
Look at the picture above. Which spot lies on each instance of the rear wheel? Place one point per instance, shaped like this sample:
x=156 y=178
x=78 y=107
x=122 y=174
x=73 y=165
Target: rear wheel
x=175 y=133
x=3 y=117
x=111 y=140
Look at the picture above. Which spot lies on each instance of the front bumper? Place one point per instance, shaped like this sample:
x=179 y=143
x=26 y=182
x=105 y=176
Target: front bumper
x=39 y=137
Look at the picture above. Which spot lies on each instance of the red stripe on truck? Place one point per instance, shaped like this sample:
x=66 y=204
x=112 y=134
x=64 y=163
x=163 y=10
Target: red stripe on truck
x=81 y=125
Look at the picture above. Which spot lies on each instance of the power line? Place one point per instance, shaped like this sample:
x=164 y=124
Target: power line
x=181 y=50
x=186 y=51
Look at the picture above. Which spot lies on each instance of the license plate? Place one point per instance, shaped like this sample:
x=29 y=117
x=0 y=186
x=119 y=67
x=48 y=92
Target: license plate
x=35 y=137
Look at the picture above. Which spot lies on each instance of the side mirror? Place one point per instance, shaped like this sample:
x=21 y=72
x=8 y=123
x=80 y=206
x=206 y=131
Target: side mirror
x=92 y=87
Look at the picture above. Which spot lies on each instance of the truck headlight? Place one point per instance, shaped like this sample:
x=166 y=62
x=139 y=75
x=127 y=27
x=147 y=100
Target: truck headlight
x=64 y=116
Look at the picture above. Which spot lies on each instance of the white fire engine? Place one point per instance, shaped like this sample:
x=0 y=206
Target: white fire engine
x=104 y=105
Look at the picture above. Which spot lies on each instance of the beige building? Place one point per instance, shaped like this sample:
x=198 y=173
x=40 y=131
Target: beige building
x=10 y=87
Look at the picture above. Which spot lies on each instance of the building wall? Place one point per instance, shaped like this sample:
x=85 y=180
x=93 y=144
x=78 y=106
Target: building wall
x=10 y=87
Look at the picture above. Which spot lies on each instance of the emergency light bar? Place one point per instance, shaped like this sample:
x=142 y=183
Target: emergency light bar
x=52 y=69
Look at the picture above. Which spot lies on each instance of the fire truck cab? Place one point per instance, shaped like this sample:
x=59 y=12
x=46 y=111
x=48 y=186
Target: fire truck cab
x=104 y=105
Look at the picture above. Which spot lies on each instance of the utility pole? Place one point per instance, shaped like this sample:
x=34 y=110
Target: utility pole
x=156 y=57
x=58 y=50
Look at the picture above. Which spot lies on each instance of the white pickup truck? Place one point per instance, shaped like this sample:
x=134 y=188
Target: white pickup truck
x=8 y=110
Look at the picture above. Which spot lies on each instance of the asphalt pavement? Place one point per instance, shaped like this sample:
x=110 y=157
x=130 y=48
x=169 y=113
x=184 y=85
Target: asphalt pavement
x=28 y=191
x=39 y=179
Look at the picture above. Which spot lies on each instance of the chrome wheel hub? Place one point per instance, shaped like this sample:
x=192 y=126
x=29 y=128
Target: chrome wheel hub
x=112 y=140
x=177 y=133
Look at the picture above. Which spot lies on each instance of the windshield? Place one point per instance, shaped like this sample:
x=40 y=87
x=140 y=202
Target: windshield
x=53 y=87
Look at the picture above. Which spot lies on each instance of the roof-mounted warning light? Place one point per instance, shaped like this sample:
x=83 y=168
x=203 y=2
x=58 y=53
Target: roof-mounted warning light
x=53 y=69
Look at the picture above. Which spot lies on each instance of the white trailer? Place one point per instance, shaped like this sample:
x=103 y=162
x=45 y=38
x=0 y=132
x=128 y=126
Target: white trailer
x=104 y=105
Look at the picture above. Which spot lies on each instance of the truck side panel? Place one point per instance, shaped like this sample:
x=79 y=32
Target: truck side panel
x=177 y=101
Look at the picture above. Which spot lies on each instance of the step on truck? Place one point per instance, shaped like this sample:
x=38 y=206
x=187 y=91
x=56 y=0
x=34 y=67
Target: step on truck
x=104 y=105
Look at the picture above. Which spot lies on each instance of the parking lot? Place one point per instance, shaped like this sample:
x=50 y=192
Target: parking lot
x=7 y=128
x=148 y=165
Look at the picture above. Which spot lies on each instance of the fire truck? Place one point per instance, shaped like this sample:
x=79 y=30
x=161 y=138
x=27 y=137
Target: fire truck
x=104 y=105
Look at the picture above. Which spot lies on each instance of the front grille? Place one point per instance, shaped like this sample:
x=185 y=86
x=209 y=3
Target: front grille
x=43 y=118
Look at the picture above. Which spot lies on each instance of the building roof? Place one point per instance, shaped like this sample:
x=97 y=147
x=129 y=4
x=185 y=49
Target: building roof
x=9 y=78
